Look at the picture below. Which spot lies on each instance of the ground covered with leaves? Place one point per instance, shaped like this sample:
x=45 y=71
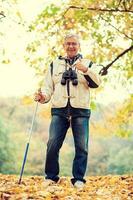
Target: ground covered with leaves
x=96 y=188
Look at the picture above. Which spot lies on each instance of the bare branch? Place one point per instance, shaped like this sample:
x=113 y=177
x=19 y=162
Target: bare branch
x=117 y=29
x=92 y=9
x=2 y=15
x=104 y=70
x=62 y=16
x=119 y=3
x=101 y=9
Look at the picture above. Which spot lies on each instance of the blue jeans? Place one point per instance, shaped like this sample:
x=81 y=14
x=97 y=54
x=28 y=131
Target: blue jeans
x=58 y=128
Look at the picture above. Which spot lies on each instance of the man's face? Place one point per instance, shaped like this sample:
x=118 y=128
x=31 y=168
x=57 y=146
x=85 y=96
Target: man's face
x=71 y=46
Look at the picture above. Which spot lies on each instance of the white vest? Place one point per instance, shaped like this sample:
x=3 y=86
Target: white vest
x=79 y=95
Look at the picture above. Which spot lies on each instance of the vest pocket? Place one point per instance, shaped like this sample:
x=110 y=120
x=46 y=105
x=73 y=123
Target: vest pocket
x=57 y=77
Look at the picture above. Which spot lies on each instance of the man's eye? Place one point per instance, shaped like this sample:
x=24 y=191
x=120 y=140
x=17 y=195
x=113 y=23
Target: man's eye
x=73 y=44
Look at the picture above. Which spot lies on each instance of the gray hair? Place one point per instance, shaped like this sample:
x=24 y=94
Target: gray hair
x=70 y=36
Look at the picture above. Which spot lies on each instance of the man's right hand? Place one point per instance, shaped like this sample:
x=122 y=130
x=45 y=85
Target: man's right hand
x=39 y=96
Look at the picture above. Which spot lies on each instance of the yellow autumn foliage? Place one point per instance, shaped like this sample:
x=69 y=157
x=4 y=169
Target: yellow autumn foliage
x=27 y=100
x=96 y=188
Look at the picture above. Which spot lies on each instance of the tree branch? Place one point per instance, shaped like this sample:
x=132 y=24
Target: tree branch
x=92 y=9
x=104 y=70
x=2 y=15
x=117 y=29
x=63 y=15
x=101 y=9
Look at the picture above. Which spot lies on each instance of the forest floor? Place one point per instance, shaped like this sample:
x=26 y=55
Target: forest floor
x=96 y=188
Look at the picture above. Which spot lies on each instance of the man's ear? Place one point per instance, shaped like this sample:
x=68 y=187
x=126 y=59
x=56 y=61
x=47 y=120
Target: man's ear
x=63 y=45
x=79 y=47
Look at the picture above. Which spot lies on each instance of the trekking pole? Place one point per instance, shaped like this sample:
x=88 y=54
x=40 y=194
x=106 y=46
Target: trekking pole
x=28 y=143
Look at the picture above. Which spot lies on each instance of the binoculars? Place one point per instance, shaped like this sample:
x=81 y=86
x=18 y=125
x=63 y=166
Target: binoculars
x=69 y=75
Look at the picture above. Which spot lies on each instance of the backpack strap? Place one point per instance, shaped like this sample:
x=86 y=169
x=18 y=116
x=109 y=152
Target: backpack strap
x=90 y=64
x=91 y=83
x=51 y=68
